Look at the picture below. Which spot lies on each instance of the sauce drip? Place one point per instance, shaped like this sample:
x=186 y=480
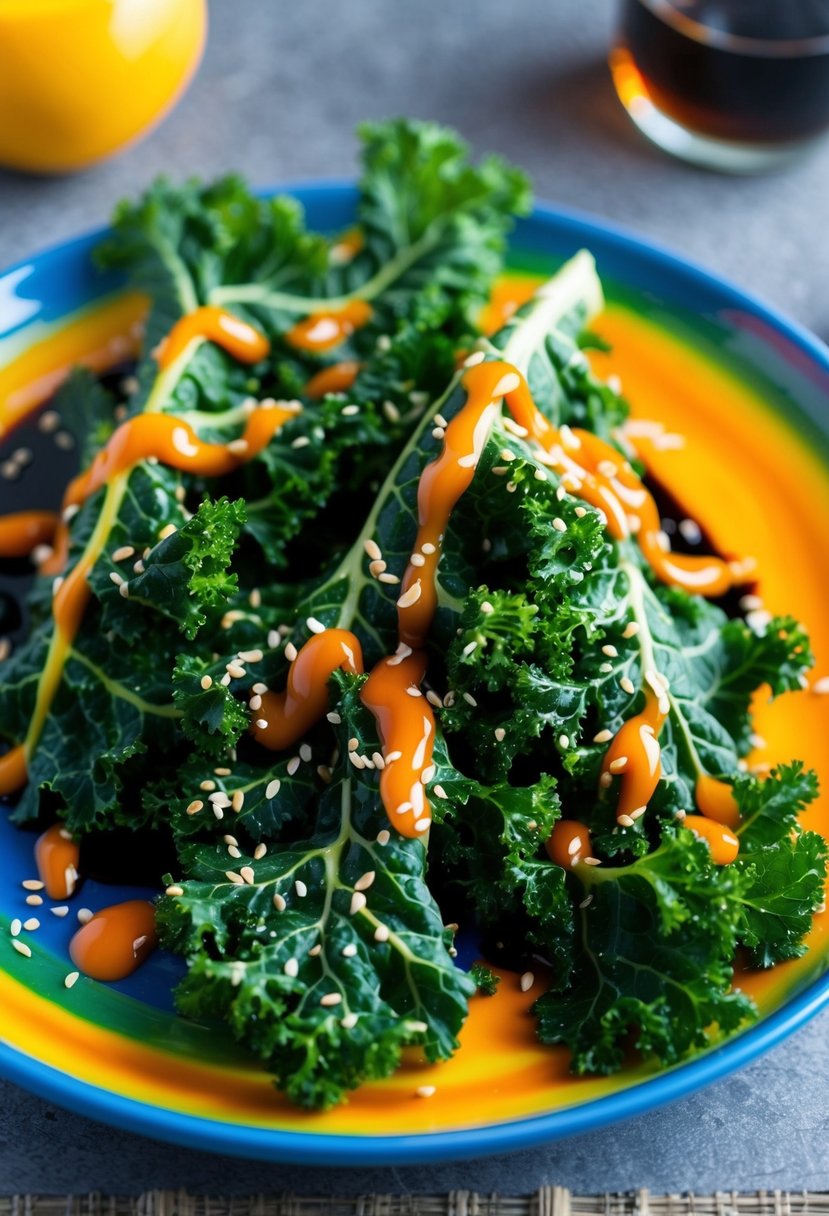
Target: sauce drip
x=23 y=531
x=13 y=770
x=716 y=800
x=334 y=379
x=722 y=842
x=115 y=941
x=57 y=855
x=212 y=324
x=324 y=330
x=291 y=713
x=568 y=843
x=406 y=726
x=635 y=756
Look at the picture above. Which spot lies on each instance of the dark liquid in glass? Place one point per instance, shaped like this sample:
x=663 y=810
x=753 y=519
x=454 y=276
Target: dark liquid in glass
x=752 y=71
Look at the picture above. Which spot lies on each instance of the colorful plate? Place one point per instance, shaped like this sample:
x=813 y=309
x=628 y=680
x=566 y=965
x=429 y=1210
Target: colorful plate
x=749 y=390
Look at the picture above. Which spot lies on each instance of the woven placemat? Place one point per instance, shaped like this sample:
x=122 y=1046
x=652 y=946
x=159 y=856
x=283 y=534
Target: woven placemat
x=549 y=1201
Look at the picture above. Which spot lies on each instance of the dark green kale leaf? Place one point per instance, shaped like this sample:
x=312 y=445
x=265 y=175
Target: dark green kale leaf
x=485 y=980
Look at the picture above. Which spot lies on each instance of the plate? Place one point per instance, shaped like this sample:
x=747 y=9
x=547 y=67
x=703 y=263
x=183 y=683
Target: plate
x=723 y=366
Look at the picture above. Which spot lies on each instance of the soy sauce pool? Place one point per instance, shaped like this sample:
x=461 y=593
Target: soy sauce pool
x=747 y=71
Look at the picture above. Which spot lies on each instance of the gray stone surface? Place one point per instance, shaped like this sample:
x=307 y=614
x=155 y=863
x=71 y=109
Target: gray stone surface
x=278 y=95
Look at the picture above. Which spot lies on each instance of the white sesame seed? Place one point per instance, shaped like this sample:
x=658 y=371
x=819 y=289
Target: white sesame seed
x=358 y=902
x=389 y=408
x=169 y=530
x=71 y=979
x=618 y=765
x=60 y=911
x=624 y=821
x=403 y=808
x=372 y=549
x=470 y=647
x=290 y=651
x=238 y=800
x=610 y=651
x=438 y=432
x=500 y=734
x=470 y=700
x=21 y=948
x=300 y=888
x=115 y=577
x=440 y=792
x=235 y=670
x=32 y=884
x=631 y=629
x=305 y=752
x=392 y=756
x=365 y=880
x=604 y=736
x=357 y=760
x=314 y=625
x=425 y=1091
x=349 y=951
x=383 y=836
x=410 y=597
x=349 y=1021
x=580 y=512
x=391 y=579
x=559 y=525
x=382 y=933
x=638 y=813
x=291 y=968
x=195 y=806
x=423 y=825
x=301 y=441
x=314 y=951
x=592 y=861
x=331 y=998
x=292 y=765
x=527 y=980
x=15 y=927
x=34 y=901
x=427 y=547
x=234 y=852
x=413 y=691
x=626 y=685
x=587 y=901
x=235 y=878
x=279 y=902
x=121 y=554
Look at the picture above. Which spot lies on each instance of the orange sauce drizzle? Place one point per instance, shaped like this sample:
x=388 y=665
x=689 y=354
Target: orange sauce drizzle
x=57 y=855
x=635 y=756
x=716 y=800
x=115 y=941
x=237 y=337
x=324 y=330
x=406 y=726
x=334 y=379
x=722 y=842
x=568 y=843
x=291 y=713
x=23 y=531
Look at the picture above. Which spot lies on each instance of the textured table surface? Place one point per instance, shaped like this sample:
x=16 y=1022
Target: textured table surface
x=278 y=95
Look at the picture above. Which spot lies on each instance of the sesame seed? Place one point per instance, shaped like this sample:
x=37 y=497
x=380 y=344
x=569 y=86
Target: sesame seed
x=392 y=756
x=382 y=933
x=32 y=884
x=413 y=691
x=237 y=801
x=349 y=1021
x=527 y=980
x=115 y=577
x=559 y=525
x=234 y=852
x=300 y=888
x=500 y=734
x=71 y=979
x=610 y=651
x=365 y=880
x=587 y=901
x=124 y=591
x=305 y=752
x=624 y=821
x=372 y=549
x=34 y=900
x=255 y=702
x=15 y=927
x=438 y=432
x=48 y=421
x=377 y=760
x=618 y=765
x=626 y=685
x=638 y=813
x=121 y=555
x=219 y=798
x=391 y=579
x=22 y=948
x=423 y=825
x=301 y=441
x=292 y=765
x=631 y=629
x=331 y=998
x=218 y=812
x=425 y=1091
x=389 y=408
x=279 y=902
x=291 y=968
x=207 y=785
x=604 y=736
x=358 y=902
x=580 y=512
x=64 y=441
x=564 y=741
x=169 y=530
x=290 y=651
x=314 y=625
x=235 y=878
x=349 y=951
x=60 y=911
x=411 y=596
x=427 y=547
x=195 y=806
x=470 y=700
x=440 y=792
x=225 y=680
x=403 y=808
x=821 y=687
x=251 y=656
x=314 y=951
x=592 y=861
x=272 y=788
x=235 y=670
x=470 y=647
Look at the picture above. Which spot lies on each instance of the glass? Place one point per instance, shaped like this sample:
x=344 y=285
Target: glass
x=739 y=85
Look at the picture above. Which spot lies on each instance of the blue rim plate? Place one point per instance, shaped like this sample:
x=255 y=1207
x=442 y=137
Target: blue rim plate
x=50 y=286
